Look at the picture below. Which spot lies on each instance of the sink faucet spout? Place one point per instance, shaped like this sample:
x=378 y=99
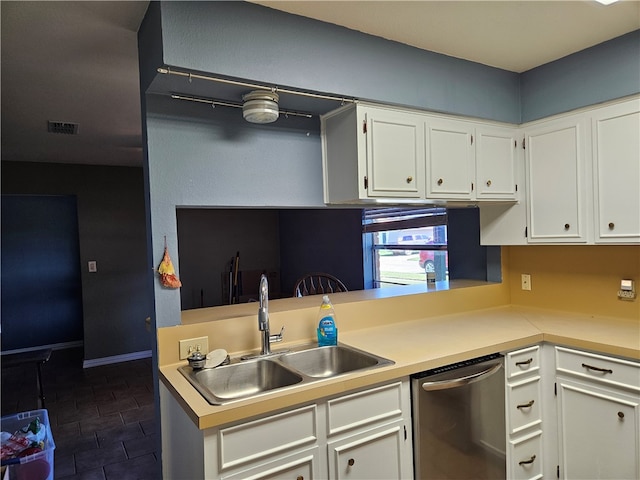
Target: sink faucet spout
x=263 y=315
x=263 y=318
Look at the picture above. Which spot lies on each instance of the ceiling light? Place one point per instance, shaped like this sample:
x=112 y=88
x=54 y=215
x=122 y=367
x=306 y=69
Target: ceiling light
x=260 y=106
x=606 y=2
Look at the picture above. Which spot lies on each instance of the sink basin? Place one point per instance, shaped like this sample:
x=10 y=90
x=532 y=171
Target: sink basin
x=305 y=364
x=240 y=380
x=330 y=361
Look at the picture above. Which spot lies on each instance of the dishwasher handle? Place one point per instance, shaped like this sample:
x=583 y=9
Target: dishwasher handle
x=463 y=380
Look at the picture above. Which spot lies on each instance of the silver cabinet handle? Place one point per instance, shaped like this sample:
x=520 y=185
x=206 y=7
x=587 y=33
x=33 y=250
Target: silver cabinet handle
x=461 y=381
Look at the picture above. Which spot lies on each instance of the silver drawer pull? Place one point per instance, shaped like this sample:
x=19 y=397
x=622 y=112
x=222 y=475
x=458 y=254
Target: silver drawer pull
x=597 y=369
x=524 y=362
x=526 y=405
x=527 y=462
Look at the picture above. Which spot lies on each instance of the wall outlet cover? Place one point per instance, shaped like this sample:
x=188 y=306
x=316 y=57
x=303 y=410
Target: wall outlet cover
x=190 y=345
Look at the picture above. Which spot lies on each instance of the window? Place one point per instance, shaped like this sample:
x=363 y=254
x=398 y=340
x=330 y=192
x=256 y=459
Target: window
x=403 y=244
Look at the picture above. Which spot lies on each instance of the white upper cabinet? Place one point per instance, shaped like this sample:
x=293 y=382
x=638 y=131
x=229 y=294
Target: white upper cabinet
x=496 y=163
x=395 y=154
x=616 y=172
x=556 y=183
x=582 y=174
x=450 y=159
x=371 y=153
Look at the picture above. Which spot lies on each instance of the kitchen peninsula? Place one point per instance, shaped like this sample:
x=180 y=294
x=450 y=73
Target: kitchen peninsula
x=414 y=344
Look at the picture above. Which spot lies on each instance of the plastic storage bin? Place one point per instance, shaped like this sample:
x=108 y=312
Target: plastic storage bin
x=38 y=466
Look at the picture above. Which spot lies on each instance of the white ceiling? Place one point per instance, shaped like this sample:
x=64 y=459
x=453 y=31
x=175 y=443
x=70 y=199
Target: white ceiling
x=77 y=61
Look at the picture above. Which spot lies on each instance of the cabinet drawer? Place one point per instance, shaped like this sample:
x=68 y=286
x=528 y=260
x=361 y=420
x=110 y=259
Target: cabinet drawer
x=606 y=370
x=364 y=408
x=523 y=402
x=526 y=457
x=522 y=362
x=303 y=465
x=266 y=437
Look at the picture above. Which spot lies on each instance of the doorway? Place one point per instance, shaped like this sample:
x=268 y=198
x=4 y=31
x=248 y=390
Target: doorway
x=41 y=285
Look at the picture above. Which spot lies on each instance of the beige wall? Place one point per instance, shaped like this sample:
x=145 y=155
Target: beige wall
x=582 y=279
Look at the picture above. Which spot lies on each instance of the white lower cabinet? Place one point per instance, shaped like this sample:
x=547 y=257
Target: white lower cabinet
x=524 y=413
x=373 y=454
x=364 y=434
x=526 y=459
x=369 y=434
x=598 y=416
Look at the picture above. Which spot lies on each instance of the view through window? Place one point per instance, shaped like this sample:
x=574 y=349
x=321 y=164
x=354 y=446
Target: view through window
x=406 y=244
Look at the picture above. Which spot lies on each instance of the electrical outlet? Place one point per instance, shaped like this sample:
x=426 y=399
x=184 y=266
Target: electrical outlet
x=526 y=281
x=626 y=294
x=190 y=345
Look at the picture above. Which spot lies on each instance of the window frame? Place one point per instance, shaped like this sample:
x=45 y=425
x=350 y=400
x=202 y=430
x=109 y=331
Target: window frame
x=376 y=220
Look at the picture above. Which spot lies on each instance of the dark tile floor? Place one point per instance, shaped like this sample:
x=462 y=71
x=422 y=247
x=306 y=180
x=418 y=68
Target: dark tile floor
x=102 y=418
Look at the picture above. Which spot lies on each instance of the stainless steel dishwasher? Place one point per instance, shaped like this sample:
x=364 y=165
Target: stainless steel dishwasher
x=459 y=420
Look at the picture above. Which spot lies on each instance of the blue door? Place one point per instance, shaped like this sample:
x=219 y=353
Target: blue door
x=41 y=290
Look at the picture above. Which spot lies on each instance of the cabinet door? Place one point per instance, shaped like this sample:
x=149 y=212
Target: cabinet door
x=395 y=154
x=616 y=158
x=599 y=432
x=496 y=157
x=556 y=186
x=375 y=454
x=450 y=159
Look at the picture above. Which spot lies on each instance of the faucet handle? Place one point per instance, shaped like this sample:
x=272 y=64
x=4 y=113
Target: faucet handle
x=277 y=338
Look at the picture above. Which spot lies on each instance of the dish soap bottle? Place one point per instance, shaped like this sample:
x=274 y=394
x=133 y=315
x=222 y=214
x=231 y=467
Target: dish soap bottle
x=327 y=331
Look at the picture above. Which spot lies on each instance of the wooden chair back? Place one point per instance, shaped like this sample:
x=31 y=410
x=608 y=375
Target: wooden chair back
x=318 y=284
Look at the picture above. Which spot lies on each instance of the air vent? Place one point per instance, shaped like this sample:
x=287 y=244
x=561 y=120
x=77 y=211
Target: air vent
x=63 y=127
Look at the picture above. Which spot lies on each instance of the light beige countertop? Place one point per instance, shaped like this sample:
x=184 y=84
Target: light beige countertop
x=422 y=344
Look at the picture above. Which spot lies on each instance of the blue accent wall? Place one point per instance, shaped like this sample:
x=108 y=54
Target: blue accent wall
x=604 y=72
x=249 y=41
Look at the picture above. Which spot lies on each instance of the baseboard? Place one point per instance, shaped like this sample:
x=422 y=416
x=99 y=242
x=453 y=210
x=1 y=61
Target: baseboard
x=127 y=357
x=52 y=346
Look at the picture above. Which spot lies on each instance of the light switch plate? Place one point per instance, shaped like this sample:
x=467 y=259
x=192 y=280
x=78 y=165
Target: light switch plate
x=190 y=345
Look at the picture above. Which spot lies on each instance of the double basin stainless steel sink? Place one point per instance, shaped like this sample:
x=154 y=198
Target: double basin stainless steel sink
x=242 y=379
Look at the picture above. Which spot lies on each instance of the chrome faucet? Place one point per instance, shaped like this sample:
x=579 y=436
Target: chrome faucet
x=263 y=318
